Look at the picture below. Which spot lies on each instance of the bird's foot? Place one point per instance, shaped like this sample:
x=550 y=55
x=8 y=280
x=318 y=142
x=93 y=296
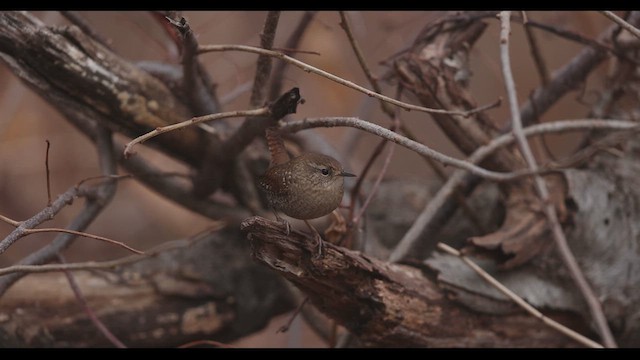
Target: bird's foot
x=285 y=223
x=318 y=239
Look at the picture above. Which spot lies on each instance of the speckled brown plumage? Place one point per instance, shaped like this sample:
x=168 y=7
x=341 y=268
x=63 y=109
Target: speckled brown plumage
x=306 y=187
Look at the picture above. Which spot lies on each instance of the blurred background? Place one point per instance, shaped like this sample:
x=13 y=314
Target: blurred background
x=143 y=219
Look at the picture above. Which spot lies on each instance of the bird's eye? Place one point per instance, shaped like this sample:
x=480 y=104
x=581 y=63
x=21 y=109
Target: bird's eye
x=325 y=171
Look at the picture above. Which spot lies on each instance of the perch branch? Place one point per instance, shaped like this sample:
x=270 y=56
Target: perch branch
x=385 y=304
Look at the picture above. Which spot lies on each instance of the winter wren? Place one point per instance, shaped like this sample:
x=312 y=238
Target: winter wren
x=306 y=187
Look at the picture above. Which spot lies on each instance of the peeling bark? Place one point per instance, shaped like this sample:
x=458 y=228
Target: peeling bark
x=386 y=304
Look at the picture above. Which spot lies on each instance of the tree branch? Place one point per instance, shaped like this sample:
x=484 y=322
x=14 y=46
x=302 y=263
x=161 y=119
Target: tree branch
x=312 y=69
x=384 y=304
x=541 y=188
x=97 y=199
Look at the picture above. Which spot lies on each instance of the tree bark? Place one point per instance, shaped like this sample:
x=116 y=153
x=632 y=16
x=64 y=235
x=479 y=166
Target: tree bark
x=207 y=289
x=387 y=304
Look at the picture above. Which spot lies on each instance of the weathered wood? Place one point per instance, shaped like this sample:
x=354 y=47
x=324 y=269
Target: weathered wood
x=390 y=305
x=65 y=62
x=208 y=289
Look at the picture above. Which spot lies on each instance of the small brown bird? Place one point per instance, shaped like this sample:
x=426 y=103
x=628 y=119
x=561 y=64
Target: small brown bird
x=306 y=187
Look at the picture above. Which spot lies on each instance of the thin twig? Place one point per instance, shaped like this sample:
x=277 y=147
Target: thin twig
x=195 y=81
x=570 y=35
x=355 y=191
x=292 y=45
x=263 y=64
x=386 y=108
x=100 y=265
x=87 y=309
x=44 y=215
x=46 y=166
x=312 y=69
x=79 y=233
x=518 y=300
x=376 y=184
x=84 y=234
x=284 y=328
x=620 y=21
x=541 y=187
x=100 y=196
x=163 y=129
x=535 y=52
x=104 y=177
x=363 y=63
x=569 y=76
x=10 y=221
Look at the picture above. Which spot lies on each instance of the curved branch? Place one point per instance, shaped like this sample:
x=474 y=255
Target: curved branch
x=312 y=69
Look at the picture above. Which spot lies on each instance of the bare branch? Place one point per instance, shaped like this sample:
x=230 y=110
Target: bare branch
x=433 y=215
x=536 y=54
x=97 y=199
x=620 y=21
x=104 y=265
x=263 y=64
x=365 y=295
x=46 y=166
x=10 y=221
x=44 y=215
x=312 y=69
x=87 y=309
x=541 y=187
x=400 y=140
x=518 y=300
x=196 y=120
x=568 y=77
x=291 y=45
x=202 y=99
x=363 y=63
x=179 y=191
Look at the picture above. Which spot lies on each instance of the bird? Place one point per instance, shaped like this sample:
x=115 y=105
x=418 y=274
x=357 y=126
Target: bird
x=306 y=187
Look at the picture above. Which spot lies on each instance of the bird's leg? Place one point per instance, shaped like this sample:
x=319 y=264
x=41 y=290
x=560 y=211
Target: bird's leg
x=318 y=239
x=284 y=222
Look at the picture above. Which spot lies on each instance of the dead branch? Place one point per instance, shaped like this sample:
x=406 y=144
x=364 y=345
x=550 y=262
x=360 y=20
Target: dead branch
x=384 y=304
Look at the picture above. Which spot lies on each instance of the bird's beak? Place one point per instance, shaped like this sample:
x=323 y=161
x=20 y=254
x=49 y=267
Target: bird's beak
x=346 y=174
